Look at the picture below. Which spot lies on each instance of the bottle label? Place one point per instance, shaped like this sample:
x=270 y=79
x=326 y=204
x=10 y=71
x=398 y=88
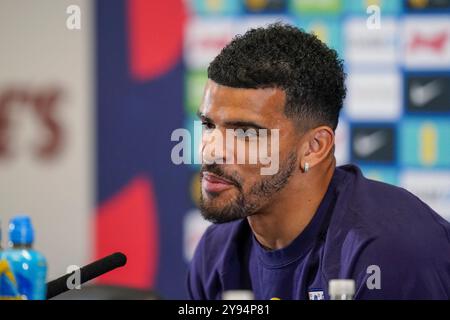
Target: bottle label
x=8 y=283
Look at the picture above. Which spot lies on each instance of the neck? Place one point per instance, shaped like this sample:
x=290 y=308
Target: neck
x=278 y=224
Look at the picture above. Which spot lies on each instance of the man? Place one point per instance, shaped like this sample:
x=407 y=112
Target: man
x=287 y=234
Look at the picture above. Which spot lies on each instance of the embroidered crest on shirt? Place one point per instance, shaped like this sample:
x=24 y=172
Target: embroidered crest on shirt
x=315 y=295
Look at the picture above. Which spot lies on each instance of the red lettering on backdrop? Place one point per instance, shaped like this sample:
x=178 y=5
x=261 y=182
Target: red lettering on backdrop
x=45 y=107
x=127 y=222
x=43 y=104
x=436 y=42
x=155 y=35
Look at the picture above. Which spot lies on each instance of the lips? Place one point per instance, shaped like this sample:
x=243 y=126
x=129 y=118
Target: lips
x=214 y=184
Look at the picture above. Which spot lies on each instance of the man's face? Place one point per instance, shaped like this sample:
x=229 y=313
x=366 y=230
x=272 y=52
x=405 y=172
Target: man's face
x=234 y=190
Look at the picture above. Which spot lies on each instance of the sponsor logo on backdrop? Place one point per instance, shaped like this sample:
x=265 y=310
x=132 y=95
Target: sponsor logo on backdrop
x=432 y=187
x=315 y=7
x=204 y=39
x=376 y=47
x=425 y=142
x=265 y=6
x=419 y=5
x=427 y=42
x=211 y=7
x=427 y=93
x=374 y=96
x=434 y=42
x=373 y=143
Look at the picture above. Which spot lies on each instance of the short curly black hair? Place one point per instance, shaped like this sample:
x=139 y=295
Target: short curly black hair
x=283 y=56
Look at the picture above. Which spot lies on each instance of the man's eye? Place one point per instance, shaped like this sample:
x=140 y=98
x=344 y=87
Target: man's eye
x=207 y=125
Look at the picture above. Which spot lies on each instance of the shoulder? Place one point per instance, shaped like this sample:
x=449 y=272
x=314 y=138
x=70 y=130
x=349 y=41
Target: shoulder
x=393 y=267
x=384 y=209
x=387 y=229
x=380 y=195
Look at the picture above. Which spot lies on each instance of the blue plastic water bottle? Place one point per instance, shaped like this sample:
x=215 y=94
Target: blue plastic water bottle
x=8 y=285
x=28 y=265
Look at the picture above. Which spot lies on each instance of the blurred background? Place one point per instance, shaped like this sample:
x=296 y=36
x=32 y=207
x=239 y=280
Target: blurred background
x=90 y=92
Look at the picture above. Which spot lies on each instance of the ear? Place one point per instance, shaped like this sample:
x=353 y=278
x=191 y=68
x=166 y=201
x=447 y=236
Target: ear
x=316 y=146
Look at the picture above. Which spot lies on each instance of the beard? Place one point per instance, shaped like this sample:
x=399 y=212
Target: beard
x=245 y=204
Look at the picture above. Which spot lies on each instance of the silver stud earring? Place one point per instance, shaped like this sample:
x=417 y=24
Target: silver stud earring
x=306 y=167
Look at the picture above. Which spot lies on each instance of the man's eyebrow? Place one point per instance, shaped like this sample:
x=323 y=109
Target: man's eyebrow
x=233 y=123
x=244 y=124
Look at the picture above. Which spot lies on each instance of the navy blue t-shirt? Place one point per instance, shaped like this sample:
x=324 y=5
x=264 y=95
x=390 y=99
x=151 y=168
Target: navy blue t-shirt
x=391 y=243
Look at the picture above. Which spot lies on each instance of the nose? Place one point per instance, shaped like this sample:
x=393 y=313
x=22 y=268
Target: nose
x=213 y=147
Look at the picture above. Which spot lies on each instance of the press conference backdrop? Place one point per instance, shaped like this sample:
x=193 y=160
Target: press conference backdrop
x=86 y=115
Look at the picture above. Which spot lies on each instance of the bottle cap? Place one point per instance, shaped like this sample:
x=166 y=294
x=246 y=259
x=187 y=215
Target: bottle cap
x=338 y=287
x=21 y=230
